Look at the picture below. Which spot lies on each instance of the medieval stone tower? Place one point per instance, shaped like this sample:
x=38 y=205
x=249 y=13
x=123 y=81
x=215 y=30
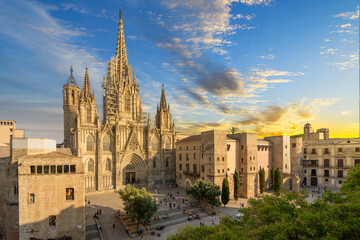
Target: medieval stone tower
x=123 y=148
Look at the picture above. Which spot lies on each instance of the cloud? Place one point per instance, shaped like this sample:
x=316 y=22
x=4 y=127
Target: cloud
x=345 y=25
x=268 y=57
x=329 y=51
x=256 y=2
x=346 y=112
x=349 y=15
x=242 y=16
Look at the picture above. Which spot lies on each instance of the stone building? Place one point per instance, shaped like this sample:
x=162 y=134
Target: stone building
x=214 y=155
x=8 y=131
x=123 y=147
x=42 y=192
x=325 y=162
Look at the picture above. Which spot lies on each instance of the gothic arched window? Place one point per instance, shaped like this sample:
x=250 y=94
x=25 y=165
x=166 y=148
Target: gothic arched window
x=154 y=162
x=90 y=143
x=88 y=115
x=154 y=144
x=108 y=165
x=127 y=103
x=106 y=143
x=167 y=143
x=90 y=165
x=73 y=97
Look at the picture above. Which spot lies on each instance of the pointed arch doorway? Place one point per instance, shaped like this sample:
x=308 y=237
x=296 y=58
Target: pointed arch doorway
x=135 y=171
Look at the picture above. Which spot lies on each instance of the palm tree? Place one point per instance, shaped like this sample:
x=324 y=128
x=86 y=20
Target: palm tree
x=233 y=130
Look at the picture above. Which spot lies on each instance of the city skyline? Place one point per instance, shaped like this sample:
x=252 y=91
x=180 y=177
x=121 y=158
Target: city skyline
x=263 y=66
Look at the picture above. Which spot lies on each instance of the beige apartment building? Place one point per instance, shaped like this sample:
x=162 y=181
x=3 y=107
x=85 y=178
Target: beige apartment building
x=42 y=192
x=325 y=162
x=214 y=155
x=8 y=131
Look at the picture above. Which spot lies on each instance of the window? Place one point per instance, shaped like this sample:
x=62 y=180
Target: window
x=326 y=163
x=180 y=167
x=357 y=149
x=108 y=165
x=202 y=168
x=254 y=156
x=250 y=158
x=167 y=143
x=285 y=146
x=90 y=165
x=39 y=169
x=154 y=163
x=88 y=115
x=194 y=156
x=218 y=170
x=106 y=143
x=66 y=168
x=59 y=168
x=187 y=148
x=326 y=151
x=15 y=190
x=32 y=198
x=326 y=180
x=340 y=163
x=167 y=162
x=228 y=147
x=53 y=169
x=46 y=169
x=242 y=170
x=72 y=168
x=357 y=161
x=154 y=145
x=285 y=166
x=242 y=160
x=179 y=156
x=202 y=155
x=187 y=168
x=305 y=150
x=32 y=169
x=52 y=221
x=340 y=173
x=326 y=173
x=187 y=157
x=223 y=159
x=127 y=103
x=294 y=145
x=89 y=143
x=313 y=172
x=304 y=171
x=202 y=146
x=195 y=168
x=339 y=149
x=179 y=148
x=69 y=194
x=223 y=170
x=242 y=147
x=194 y=147
x=340 y=181
x=313 y=151
x=209 y=159
x=218 y=158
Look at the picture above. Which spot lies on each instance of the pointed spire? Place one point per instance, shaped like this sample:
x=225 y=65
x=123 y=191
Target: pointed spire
x=163 y=99
x=120 y=14
x=121 y=56
x=86 y=91
x=71 y=79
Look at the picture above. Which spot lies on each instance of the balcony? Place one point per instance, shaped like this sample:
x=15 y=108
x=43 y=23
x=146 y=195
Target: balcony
x=309 y=163
x=195 y=174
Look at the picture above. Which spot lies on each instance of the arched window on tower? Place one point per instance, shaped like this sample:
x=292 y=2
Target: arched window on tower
x=106 y=143
x=90 y=143
x=73 y=96
x=167 y=162
x=155 y=143
x=108 y=165
x=127 y=103
x=154 y=162
x=88 y=115
x=90 y=165
x=167 y=143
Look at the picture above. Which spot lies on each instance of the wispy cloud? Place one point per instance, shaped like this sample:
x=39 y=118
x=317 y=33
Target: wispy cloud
x=268 y=57
x=349 y=15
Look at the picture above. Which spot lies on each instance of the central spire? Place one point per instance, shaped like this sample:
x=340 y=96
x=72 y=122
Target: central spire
x=163 y=98
x=86 y=91
x=121 y=56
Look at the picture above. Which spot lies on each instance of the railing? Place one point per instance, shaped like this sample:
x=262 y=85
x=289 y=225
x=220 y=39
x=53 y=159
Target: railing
x=191 y=173
x=309 y=163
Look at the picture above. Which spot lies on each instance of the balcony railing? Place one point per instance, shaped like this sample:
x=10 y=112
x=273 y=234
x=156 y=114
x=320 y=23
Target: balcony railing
x=309 y=163
x=191 y=173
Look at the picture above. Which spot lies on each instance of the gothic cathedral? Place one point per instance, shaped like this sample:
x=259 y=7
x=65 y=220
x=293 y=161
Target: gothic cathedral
x=123 y=148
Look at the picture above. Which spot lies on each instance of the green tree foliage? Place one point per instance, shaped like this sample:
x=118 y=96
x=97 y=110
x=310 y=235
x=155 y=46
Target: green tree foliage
x=233 y=130
x=277 y=180
x=272 y=178
x=205 y=191
x=236 y=185
x=225 y=192
x=262 y=179
x=138 y=203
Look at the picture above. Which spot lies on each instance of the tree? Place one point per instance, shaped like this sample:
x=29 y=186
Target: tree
x=277 y=181
x=225 y=192
x=205 y=191
x=272 y=177
x=233 y=130
x=262 y=179
x=236 y=185
x=138 y=203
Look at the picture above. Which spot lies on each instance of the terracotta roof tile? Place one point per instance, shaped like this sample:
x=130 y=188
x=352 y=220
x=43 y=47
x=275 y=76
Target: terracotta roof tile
x=191 y=139
x=50 y=155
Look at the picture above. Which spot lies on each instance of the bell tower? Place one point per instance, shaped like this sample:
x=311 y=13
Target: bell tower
x=71 y=97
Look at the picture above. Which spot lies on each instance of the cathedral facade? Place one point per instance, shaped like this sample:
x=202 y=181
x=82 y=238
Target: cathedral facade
x=122 y=148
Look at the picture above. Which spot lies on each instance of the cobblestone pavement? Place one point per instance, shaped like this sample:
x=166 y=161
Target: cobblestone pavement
x=109 y=203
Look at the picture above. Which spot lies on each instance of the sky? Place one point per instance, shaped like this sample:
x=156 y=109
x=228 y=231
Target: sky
x=264 y=66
